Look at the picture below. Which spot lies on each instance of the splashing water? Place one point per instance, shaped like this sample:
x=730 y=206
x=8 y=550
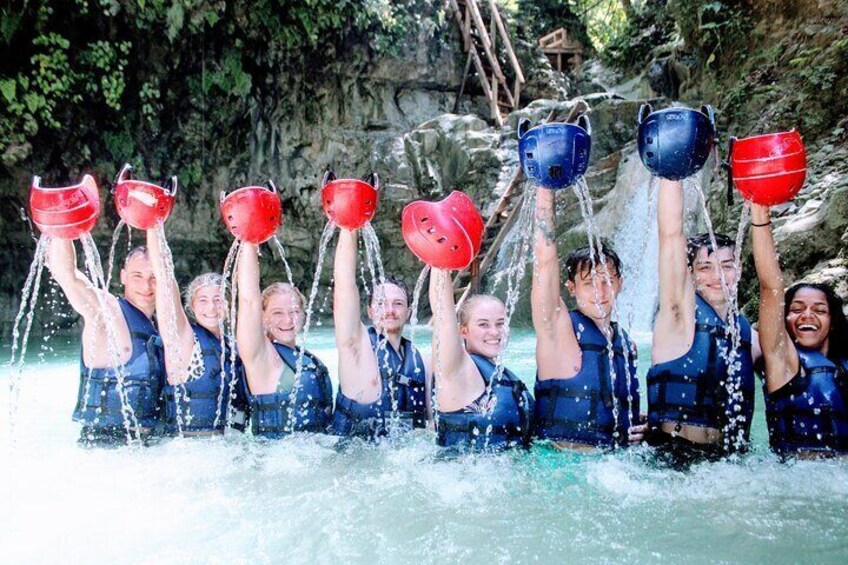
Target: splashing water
x=736 y=419
x=228 y=336
x=29 y=297
x=416 y=298
x=95 y=273
x=436 y=344
x=596 y=246
x=512 y=265
x=638 y=248
x=732 y=436
x=168 y=319
x=326 y=236
x=378 y=277
x=116 y=235
x=278 y=247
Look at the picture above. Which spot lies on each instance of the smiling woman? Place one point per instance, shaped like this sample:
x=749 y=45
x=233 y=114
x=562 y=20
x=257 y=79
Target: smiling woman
x=482 y=404
x=199 y=395
x=289 y=387
x=803 y=334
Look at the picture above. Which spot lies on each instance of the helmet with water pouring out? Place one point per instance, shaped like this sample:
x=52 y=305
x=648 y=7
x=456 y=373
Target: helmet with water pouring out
x=65 y=212
x=141 y=204
x=675 y=143
x=252 y=213
x=350 y=203
x=555 y=155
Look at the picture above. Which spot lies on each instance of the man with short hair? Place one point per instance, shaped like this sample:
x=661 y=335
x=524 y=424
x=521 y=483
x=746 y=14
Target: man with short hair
x=120 y=383
x=380 y=371
x=587 y=394
x=701 y=382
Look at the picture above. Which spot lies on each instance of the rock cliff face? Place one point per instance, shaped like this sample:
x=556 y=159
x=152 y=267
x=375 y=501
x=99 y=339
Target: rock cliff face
x=393 y=115
x=362 y=113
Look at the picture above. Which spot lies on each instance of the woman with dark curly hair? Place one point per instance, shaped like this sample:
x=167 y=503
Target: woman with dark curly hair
x=804 y=338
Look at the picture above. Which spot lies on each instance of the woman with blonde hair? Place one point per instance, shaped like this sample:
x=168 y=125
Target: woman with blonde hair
x=202 y=390
x=481 y=404
x=290 y=389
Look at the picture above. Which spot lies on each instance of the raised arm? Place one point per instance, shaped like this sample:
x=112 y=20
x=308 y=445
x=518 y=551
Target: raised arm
x=250 y=333
x=676 y=290
x=167 y=291
x=781 y=357
x=675 y=286
x=168 y=303
x=450 y=354
x=346 y=302
x=545 y=289
x=81 y=293
x=554 y=333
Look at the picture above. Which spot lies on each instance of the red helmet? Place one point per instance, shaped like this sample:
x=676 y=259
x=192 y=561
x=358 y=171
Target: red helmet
x=768 y=169
x=65 y=212
x=446 y=234
x=142 y=204
x=350 y=203
x=252 y=213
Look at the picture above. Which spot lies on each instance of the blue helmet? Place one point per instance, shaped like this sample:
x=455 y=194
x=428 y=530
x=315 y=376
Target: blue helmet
x=674 y=143
x=556 y=154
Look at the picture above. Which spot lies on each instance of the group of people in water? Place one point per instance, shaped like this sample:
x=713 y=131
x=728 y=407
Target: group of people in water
x=699 y=403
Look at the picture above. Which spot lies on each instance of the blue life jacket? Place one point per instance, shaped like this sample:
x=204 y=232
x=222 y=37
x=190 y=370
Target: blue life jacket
x=507 y=424
x=99 y=401
x=581 y=409
x=405 y=374
x=692 y=389
x=274 y=416
x=810 y=412
x=201 y=398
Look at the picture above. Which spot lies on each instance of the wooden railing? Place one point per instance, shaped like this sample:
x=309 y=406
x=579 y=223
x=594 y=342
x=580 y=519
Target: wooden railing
x=481 y=44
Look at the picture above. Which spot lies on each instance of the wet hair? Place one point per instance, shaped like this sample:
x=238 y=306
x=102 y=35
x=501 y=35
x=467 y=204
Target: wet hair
x=838 y=336
x=138 y=251
x=282 y=288
x=696 y=242
x=464 y=312
x=398 y=282
x=206 y=279
x=582 y=258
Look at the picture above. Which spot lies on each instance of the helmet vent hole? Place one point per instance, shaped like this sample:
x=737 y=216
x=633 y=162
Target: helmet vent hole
x=431 y=230
x=454 y=247
x=650 y=154
x=442 y=239
x=529 y=154
x=555 y=172
x=649 y=140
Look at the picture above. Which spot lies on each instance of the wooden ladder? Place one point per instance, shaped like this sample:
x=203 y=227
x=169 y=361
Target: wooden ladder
x=481 y=45
x=499 y=224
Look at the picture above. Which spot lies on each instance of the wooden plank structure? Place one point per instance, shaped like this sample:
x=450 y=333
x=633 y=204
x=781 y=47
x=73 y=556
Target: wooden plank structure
x=562 y=50
x=481 y=45
x=499 y=224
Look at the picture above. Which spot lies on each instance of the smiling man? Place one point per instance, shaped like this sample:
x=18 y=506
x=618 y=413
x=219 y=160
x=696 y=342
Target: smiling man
x=701 y=381
x=120 y=382
x=380 y=371
x=587 y=393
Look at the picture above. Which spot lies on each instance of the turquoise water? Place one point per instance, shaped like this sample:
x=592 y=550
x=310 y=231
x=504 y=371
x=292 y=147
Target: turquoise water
x=307 y=499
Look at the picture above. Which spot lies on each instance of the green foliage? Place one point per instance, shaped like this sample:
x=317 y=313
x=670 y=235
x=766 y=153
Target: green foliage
x=716 y=29
x=99 y=76
x=107 y=62
x=648 y=26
